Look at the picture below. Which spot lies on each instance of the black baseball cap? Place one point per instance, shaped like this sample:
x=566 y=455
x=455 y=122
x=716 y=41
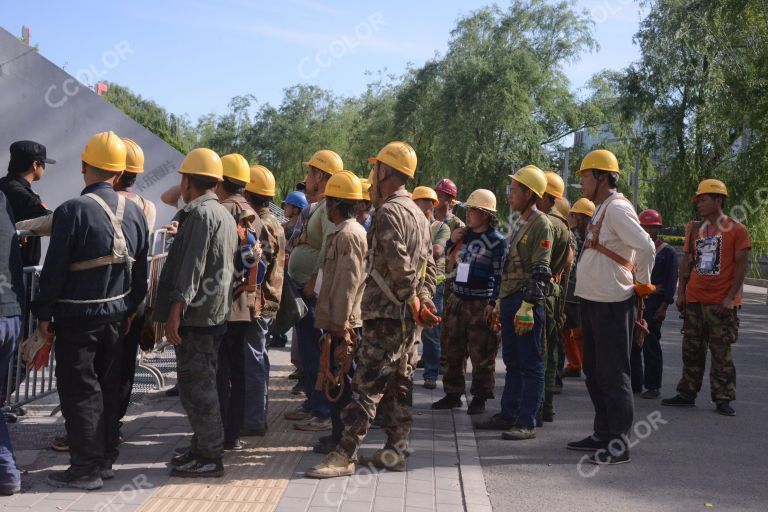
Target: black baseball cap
x=301 y=186
x=31 y=151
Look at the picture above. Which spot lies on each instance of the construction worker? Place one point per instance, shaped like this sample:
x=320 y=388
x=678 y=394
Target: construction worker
x=293 y=204
x=134 y=166
x=11 y=314
x=447 y=195
x=560 y=264
x=338 y=311
x=613 y=277
x=469 y=321
x=93 y=280
x=364 y=207
x=578 y=219
x=27 y=165
x=246 y=303
x=260 y=191
x=521 y=309
x=397 y=300
x=646 y=361
x=712 y=273
x=426 y=199
x=194 y=296
x=306 y=260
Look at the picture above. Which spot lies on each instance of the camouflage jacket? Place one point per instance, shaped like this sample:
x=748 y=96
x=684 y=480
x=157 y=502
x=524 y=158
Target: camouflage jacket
x=401 y=253
x=272 y=239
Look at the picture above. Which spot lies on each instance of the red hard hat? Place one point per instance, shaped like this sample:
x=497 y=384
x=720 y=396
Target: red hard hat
x=447 y=187
x=650 y=218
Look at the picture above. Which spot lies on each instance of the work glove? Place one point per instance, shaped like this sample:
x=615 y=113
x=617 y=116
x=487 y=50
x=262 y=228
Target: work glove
x=644 y=290
x=36 y=350
x=524 y=319
x=428 y=314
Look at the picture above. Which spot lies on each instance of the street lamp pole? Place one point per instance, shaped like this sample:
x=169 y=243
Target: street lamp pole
x=636 y=179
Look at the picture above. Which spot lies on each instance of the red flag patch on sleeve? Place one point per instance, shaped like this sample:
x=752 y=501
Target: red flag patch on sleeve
x=545 y=244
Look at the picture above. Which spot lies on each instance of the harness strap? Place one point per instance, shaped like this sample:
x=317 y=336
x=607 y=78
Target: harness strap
x=594 y=241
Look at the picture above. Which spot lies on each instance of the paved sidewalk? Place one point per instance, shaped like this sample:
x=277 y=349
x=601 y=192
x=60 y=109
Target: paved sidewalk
x=444 y=472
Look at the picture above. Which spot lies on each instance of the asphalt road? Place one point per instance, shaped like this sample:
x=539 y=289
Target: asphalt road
x=695 y=460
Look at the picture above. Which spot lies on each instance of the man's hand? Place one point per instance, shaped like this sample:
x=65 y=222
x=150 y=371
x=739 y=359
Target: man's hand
x=46 y=328
x=680 y=302
x=128 y=323
x=171 y=228
x=524 y=319
x=458 y=235
x=725 y=307
x=488 y=314
x=172 y=324
x=660 y=313
x=428 y=314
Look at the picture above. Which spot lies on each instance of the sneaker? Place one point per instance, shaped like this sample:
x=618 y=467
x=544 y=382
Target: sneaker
x=679 y=401
x=174 y=391
x=313 y=424
x=476 y=406
x=519 y=433
x=495 y=422
x=296 y=374
x=107 y=473
x=588 y=444
x=324 y=445
x=200 y=468
x=234 y=446
x=335 y=464
x=608 y=457
x=571 y=373
x=449 y=401
x=724 y=408
x=183 y=459
x=9 y=489
x=298 y=388
x=430 y=383
x=651 y=394
x=68 y=478
x=257 y=431
x=298 y=414
x=386 y=458
x=182 y=449
x=60 y=444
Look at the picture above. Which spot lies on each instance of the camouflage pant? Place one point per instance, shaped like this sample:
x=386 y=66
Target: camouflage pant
x=469 y=334
x=705 y=328
x=552 y=347
x=196 y=362
x=384 y=380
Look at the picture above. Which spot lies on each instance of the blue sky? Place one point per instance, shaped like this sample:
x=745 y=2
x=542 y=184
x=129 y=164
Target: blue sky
x=193 y=56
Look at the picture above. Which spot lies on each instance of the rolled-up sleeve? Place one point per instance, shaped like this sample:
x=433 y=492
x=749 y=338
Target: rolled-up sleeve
x=627 y=225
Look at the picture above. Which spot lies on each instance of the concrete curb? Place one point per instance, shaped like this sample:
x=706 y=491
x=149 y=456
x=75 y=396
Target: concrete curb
x=471 y=472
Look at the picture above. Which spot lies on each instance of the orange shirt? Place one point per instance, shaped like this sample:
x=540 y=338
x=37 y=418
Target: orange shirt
x=715 y=261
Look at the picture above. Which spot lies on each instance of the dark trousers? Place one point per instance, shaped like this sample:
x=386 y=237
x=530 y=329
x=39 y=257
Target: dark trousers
x=88 y=356
x=337 y=426
x=10 y=329
x=230 y=379
x=309 y=346
x=647 y=362
x=128 y=363
x=607 y=332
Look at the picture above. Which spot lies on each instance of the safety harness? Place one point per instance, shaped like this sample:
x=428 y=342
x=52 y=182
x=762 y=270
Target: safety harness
x=513 y=270
x=332 y=374
x=118 y=256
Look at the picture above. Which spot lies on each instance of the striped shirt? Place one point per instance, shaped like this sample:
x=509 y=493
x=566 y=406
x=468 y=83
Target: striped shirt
x=485 y=253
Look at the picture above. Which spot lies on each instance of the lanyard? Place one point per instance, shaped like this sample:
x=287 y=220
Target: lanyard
x=521 y=224
x=709 y=238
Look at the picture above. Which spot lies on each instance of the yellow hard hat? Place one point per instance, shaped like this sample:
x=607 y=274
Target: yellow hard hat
x=344 y=185
x=262 y=182
x=533 y=178
x=326 y=160
x=105 y=151
x=236 y=167
x=711 y=186
x=555 y=185
x=425 y=193
x=203 y=162
x=600 y=160
x=583 y=206
x=399 y=156
x=365 y=182
x=563 y=206
x=482 y=199
x=134 y=157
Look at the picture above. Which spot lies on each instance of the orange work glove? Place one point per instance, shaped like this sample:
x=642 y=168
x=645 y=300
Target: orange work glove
x=644 y=290
x=414 y=304
x=428 y=315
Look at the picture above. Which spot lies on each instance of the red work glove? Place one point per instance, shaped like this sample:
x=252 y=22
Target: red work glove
x=428 y=315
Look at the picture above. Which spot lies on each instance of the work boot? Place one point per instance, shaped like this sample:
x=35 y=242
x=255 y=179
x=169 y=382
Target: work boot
x=519 y=433
x=571 y=373
x=296 y=374
x=610 y=456
x=183 y=459
x=60 y=444
x=548 y=417
x=385 y=458
x=679 y=401
x=651 y=394
x=430 y=383
x=200 y=468
x=313 y=424
x=174 y=391
x=724 y=408
x=449 y=401
x=298 y=414
x=495 y=422
x=335 y=464
x=10 y=489
x=107 y=473
x=324 y=445
x=476 y=406
x=69 y=478
x=588 y=444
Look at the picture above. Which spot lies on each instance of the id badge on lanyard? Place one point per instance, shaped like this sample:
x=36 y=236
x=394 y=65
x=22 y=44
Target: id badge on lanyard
x=706 y=263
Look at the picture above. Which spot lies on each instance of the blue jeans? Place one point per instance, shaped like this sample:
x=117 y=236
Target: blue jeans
x=309 y=348
x=256 y=373
x=430 y=338
x=10 y=328
x=524 y=381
